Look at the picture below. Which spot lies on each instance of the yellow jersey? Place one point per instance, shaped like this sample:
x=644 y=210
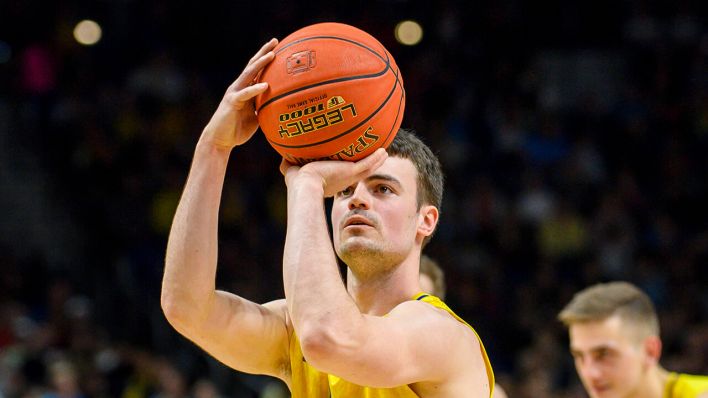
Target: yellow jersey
x=308 y=382
x=680 y=385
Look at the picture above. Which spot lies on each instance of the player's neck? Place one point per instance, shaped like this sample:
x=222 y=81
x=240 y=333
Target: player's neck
x=379 y=295
x=654 y=384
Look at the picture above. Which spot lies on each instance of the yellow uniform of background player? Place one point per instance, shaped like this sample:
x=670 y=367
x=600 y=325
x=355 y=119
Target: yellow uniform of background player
x=614 y=339
x=369 y=332
x=681 y=385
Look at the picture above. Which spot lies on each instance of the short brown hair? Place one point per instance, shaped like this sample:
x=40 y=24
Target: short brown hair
x=430 y=267
x=430 y=179
x=603 y=300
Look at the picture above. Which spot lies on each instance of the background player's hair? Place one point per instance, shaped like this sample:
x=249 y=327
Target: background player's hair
x=430 y=267
x=603 y=300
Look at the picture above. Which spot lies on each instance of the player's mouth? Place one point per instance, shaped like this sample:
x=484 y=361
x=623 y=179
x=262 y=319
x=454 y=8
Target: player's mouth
x=600 y=389
x=358 y=221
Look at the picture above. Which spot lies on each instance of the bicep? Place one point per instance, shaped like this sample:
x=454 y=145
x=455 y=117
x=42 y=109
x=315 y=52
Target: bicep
x=244 y=335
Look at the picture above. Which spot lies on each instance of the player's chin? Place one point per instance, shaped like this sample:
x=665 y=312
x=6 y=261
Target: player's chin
x=354 y=244
x=356 y=234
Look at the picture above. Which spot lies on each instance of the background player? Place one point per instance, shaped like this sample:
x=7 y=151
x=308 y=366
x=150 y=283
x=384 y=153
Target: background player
x=614 y=339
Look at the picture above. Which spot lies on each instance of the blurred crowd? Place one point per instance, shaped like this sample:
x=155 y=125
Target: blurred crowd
x=573 y=138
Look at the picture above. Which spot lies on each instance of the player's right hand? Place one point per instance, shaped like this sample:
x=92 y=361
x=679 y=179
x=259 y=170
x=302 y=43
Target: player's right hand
x=334 y=175
x=234 y=121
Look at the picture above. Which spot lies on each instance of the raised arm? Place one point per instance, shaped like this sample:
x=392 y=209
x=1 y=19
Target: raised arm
x=415 y=343
x=244 y=335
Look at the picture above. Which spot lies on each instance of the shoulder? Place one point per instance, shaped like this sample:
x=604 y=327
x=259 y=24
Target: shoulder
x=449 y=343
x=433 y=310
x=439 y=323
x=428 y=310
x=280 y=308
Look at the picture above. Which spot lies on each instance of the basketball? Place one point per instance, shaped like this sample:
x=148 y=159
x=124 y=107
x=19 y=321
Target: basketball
x=334 y=92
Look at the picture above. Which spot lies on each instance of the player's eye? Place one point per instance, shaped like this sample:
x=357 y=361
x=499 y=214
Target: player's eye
x=384 y=189
x=346 y=191
x=602 y=354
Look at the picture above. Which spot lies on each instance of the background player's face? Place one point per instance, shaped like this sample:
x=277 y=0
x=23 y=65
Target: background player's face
x=609 y=357
x=378 y=216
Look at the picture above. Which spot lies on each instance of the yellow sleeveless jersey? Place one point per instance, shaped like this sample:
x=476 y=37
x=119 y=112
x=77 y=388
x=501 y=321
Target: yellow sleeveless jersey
x=308 y=382
x=682 y=385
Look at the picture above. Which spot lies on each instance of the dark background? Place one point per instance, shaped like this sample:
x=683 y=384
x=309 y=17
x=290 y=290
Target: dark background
x=573 y=137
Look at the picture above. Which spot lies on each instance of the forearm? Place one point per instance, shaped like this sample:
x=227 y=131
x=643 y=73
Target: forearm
x=314 y=290
x=190 y=263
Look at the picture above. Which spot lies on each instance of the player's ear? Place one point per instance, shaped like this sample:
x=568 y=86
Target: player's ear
x=652 y=349
x=427 y=219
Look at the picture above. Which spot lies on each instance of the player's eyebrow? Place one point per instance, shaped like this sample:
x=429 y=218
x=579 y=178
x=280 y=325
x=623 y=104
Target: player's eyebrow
x=384 y=177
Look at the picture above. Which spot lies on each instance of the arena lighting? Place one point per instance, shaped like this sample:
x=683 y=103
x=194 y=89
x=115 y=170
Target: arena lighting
x=87 y=32
x=409 y=33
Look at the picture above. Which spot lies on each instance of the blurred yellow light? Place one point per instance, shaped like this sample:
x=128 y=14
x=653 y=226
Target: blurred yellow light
x=87 y=32
x=409 y=33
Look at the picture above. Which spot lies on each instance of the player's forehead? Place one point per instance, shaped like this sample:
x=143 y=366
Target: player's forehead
x=395 y=168
x=587 y=336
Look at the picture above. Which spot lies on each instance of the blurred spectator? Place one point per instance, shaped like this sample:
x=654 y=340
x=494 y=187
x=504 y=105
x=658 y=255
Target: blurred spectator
x=64 y=381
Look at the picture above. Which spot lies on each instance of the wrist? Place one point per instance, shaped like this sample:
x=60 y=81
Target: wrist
x=210 y=157
x=308 y=183
x=212 y=148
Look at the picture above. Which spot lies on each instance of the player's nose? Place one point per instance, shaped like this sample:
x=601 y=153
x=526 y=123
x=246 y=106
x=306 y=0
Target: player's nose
x=360 y=198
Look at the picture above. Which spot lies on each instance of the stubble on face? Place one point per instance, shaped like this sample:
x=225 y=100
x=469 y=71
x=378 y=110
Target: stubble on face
x=379 y=242
x=367 y=258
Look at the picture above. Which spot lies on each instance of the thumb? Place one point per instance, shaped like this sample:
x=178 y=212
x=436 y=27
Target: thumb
x=285 y=165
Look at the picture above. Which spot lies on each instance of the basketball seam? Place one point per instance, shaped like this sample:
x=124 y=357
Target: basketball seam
x=342 y=79
x=334 y=38
x=398 y=111
x=372 y=114
x=386 y=61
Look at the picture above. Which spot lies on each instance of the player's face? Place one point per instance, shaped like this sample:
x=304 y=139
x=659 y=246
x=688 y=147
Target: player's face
x=609 y=358
x=378 y=216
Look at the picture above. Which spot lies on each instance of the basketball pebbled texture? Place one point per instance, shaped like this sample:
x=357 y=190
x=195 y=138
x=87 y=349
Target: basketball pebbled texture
x=334 y=92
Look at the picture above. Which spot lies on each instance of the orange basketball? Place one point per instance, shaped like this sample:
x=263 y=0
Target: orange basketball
x=334 y=92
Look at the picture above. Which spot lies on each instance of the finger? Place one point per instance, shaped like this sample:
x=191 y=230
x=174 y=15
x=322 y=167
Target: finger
x=263 y=50
x=245 y=94
x=371 y=162
x=285 y=166
x=251 y=91
x=252 y=70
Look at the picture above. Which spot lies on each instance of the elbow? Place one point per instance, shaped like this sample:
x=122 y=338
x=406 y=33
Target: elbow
x=324 y=344
x=177 y=311
x=171 y=308
x=314 y=345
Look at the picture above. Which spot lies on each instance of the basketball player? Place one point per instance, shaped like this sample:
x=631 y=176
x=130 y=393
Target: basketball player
x=614 y=339
x=432 y=280
x=378 y=336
